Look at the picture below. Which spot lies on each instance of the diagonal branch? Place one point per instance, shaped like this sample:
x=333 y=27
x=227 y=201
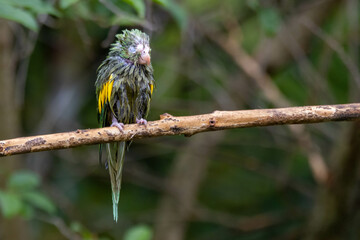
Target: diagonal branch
x=252 y=68
x=189 y=125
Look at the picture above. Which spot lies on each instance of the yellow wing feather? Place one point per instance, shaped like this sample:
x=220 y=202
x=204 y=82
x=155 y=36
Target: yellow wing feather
x=99 y=103
x=105 y=93
x=109 y=90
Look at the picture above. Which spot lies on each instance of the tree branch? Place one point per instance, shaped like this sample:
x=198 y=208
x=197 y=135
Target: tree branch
x=190 y=125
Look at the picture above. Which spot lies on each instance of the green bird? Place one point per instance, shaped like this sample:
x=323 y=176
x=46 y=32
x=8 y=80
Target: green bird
x=124 y=86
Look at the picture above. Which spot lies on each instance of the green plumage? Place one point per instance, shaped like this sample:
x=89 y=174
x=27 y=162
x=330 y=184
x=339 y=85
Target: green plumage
x=123 y=90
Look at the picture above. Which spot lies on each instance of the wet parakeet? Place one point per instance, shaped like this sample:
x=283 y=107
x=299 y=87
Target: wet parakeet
x=124 y=86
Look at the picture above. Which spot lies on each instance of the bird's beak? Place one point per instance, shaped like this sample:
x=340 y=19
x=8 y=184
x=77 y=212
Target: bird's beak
x=145 y=59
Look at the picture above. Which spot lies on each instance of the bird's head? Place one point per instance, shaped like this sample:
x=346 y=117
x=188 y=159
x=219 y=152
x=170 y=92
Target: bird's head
x=132 y=46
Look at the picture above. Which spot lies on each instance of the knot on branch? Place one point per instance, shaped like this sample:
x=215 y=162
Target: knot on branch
x=166 y=116
x=212 y=122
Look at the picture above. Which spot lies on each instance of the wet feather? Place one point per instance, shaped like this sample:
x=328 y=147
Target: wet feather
x=123 y=89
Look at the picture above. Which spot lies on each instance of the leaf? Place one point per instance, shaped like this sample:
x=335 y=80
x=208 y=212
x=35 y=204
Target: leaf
x=160 y=2
x=36 y=6
x=140 y=232
x=40 y=201
x=270 y=20
x=27 y=211
x=126 y=20
x=253 y=4
x=10 y=204
x=18 y=15
x=23 y=181
x=138 y=5
x=79 y=228
x=178 y=13
x=67 y=3
x=76 y=227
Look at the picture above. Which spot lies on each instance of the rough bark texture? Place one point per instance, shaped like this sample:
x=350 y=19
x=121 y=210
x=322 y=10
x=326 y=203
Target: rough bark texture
x=170 y=125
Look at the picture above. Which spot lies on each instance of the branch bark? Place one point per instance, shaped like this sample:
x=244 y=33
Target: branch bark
x=189 y=125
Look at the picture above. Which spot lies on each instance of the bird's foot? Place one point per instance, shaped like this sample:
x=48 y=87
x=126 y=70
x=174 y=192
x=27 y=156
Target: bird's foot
x=141 y=121
x=117 y=124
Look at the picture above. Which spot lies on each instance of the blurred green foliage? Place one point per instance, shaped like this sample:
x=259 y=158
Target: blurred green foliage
x=119 y=12
x=270 y=20
x=22 y=196
x=140 y=232
x=25 y=11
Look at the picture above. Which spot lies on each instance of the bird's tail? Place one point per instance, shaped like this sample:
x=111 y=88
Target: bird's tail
x=116 y=153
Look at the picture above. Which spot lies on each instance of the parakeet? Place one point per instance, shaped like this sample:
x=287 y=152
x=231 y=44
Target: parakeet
x=124 y=86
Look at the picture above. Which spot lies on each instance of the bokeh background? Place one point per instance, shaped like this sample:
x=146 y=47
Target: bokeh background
x=283 y=182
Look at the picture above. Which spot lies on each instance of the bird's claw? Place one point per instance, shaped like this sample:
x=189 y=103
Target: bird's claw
x=119 y=126
x=141 y=121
